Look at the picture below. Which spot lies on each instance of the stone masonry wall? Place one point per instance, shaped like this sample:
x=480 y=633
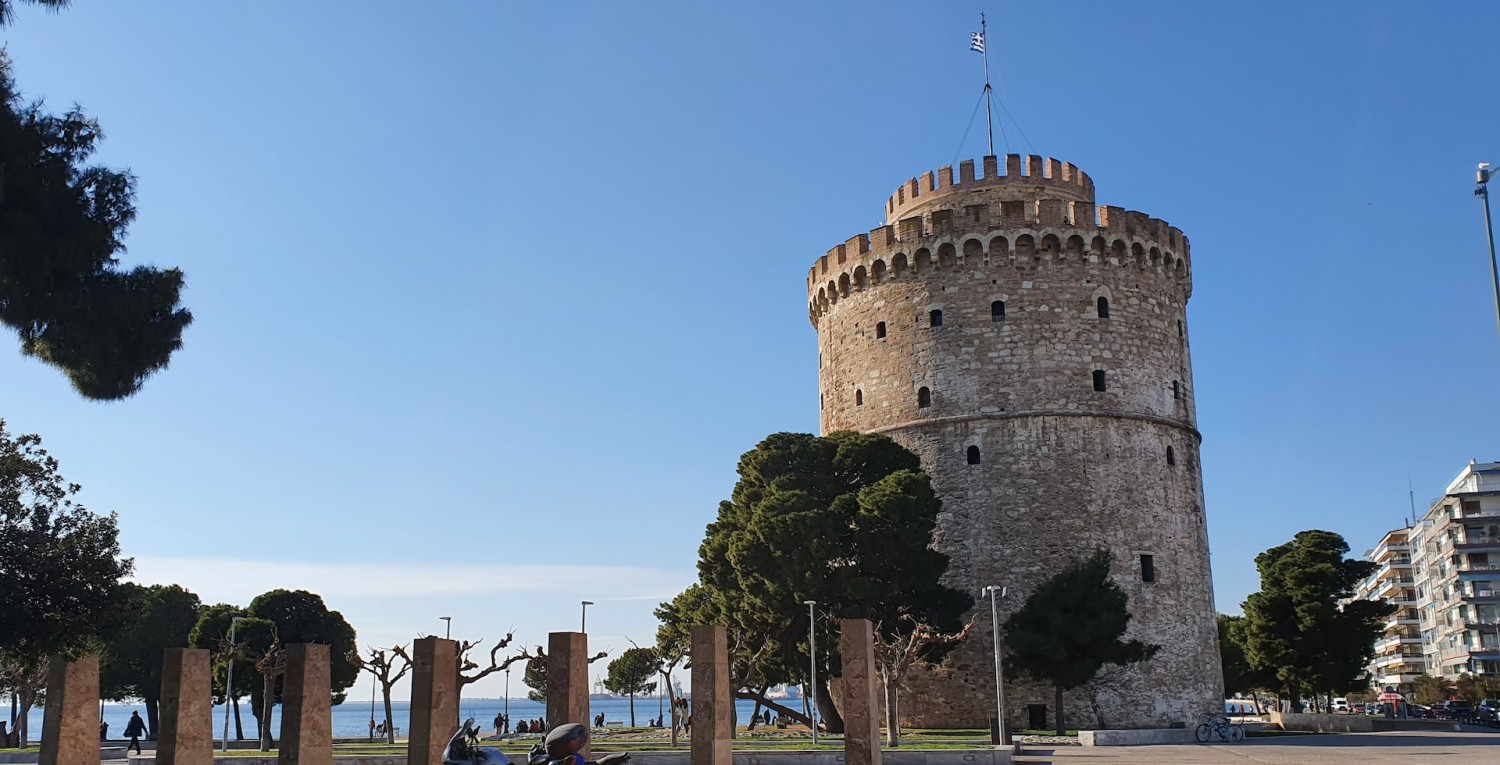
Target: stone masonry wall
x=1062 y=468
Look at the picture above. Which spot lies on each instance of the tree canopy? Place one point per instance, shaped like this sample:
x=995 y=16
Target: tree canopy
x=302 y=617
x=62 y=228
x=1072 y=626
x=632 y=673
x=156 y=618
x=1295 y=628
x=845 y=520
x=60 y=564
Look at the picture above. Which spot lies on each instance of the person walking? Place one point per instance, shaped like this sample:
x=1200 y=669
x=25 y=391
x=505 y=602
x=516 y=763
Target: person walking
x=134 y=730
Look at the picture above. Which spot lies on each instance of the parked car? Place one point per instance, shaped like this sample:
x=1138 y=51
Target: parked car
x=1418 y=710
x=1488 y=710
x=1341 y=706
x=1375 y=709
x=1454 y=709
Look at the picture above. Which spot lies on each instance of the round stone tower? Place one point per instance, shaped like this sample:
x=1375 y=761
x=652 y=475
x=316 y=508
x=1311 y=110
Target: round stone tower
x=1031 y=347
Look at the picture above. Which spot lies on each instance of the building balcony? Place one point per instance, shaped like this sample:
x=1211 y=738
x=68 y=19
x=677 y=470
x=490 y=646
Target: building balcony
x=1400 y=679
x=1395 y=659
x=1479 y=569
x=1481 y=595
x=1477 y=543
x=1400 y=620
x=1393 y=642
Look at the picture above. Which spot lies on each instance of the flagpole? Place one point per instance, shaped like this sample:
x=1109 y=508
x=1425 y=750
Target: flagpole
x=989 y=108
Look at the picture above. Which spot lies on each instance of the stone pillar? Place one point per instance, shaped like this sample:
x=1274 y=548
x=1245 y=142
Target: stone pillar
x=306 y=707
x=70 y=721
x=434 y=700
x=713 y=736
x=861 y=700
x=187 y=726
x=568 y=680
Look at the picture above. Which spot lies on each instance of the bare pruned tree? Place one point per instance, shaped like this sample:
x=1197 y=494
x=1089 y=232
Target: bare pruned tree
x=896 y=652
x=383 y=665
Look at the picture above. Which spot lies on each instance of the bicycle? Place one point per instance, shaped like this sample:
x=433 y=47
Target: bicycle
x=1212 y=726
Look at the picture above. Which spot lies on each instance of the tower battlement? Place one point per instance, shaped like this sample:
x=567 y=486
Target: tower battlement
x=1030 y=176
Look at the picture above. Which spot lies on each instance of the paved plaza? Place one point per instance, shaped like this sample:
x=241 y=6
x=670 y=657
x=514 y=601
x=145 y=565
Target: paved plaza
x=1327 y=749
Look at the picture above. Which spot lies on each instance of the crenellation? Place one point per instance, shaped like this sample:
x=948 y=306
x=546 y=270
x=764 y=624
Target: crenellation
x=928 y=181
x=1050 y=212
x=910 y=228
x=945 y=177
x=1034 y=166
x=966 y=172
x=1013 y=165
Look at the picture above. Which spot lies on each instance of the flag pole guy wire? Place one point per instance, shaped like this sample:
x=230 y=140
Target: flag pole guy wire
x=976 y=43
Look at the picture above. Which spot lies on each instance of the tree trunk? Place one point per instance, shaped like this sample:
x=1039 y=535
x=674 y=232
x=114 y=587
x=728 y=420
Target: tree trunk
x=1062 y=729
x=832 y=721
x=666 y=677
x=390 y=732
x=239 y=725
x=784 y=711
x=22 y=728
x=632 y=709
x=892 y=722
x=153 y=716
x=268 y=703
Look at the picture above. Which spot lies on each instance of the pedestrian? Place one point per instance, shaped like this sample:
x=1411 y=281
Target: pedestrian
x=103 y=730
x=134 y=730
x=499 y=720
x=522 y=727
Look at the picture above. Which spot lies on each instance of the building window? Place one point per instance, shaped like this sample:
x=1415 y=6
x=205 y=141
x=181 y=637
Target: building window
x=1176 y=390
x=997 y=310
x=1103 y=304
x=859 y=398
x=935 y=318
x=1179 y=329
x=1099 y=380
x=1148 y=568
x=879 y=330
x=973 y=455
x=924 y=397
x=1171 y=456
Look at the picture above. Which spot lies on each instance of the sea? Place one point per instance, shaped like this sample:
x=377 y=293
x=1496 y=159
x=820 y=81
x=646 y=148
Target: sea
x=352 y=718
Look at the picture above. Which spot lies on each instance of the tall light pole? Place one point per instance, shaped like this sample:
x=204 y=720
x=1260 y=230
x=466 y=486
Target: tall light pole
x=1482 y=190
x=583 y=624
x=229 y=678
x=812 y=667
x=447 y=627
x=507 y=699
x=995 y=592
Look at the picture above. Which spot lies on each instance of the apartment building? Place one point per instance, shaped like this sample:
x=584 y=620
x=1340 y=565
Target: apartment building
x=1398 y=652
x=1455 y=565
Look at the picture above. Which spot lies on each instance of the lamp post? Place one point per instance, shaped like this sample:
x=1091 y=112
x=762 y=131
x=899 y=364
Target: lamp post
x=1482 y=190
x=229 y=678
x=583 y=625
x=507 y=699
x=447 y=627
x=997 y=592
x=812 y=667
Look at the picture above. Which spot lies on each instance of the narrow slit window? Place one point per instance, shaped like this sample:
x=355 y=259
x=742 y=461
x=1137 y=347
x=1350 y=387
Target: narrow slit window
x=997 y=310
x=1176 y=389
x=1171 y=456
x=924 y=397
x=1148 y=568
x=1179 y=328
x=1103 y=304
x=973 y=455
x=859 y=399
x=1099 y=380
x=935 y=318
x=879 y=330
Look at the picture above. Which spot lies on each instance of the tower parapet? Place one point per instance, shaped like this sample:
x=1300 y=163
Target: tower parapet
x=1030 y=176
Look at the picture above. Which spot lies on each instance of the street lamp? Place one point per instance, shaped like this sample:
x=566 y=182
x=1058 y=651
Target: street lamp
x=229 y=678
x=507 y=699
x=1482 y=190
x=812 y=667
x=583 y=625
x=995 y=592
x=447 y=627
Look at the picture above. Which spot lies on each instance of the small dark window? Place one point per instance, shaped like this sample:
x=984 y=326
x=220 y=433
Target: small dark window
x=1103 y=307
x=820 y=402
x=935 y=318
x=1171 y=456
x=1176 y=389
x=859 y=399
x=1179 y=328
x=1148 y=568
x=879 y=330
x=1099 y=380
x=997 y=310
x=924 y=397
x=973 y=455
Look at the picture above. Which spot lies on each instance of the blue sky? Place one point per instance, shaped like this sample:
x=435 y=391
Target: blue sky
x=490 y=297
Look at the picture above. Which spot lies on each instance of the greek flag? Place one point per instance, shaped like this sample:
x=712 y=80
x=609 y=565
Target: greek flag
x=976 y=42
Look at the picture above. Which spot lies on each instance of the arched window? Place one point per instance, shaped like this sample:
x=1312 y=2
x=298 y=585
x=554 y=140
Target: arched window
x=859 y=398
x=879 y=330
x=1099 y=380
x=973 y=455
x=1176 y=389
x=997 y=310
x=1103 y=304
x=1171 y=456
x=935 y=318
x=924 y=397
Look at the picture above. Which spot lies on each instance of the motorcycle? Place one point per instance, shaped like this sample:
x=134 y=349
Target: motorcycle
x=561 y=747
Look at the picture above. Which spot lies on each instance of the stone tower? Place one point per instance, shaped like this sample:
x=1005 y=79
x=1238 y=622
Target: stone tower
x=1031 y=347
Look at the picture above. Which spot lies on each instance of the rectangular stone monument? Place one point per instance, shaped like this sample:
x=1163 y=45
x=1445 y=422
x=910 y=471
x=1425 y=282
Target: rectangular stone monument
x=187 y=726
x=713 y=738
x=434 y=700
x=861 y=697
x=568 y=679
x=70 y=720
x=306 y=707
